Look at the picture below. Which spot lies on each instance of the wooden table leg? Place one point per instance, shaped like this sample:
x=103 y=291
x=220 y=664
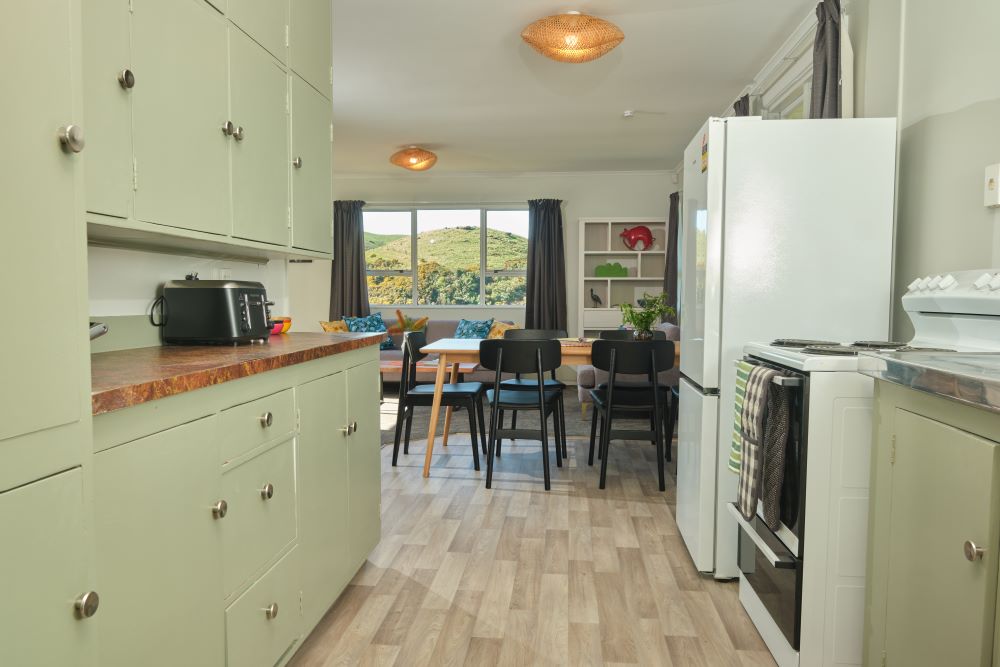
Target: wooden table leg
x=435 y=407
x=447 y=412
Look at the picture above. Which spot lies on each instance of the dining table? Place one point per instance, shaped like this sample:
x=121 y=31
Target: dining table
x=456 y=354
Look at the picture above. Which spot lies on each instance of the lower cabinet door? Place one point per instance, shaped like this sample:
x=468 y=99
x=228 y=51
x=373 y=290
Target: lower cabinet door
x=322 y=468
x=263 y=623
x=159 y=543
x=365 y=461
x=46 y=569
x=940 y=603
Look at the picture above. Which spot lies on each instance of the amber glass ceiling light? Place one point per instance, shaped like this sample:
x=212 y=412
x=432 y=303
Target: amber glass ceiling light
x=414 y=159
x=572 y=37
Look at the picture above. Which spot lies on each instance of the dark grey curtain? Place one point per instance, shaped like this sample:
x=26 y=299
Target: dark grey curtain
x=545 y=300
x=742 y=106
x=348 y=282
x=825 y=102
x=670 y=267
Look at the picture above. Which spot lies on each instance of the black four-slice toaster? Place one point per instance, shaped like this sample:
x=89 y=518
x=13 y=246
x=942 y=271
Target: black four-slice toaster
x=214 y=312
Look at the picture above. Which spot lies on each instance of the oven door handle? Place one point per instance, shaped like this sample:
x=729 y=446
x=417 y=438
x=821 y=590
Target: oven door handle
x=776 y=561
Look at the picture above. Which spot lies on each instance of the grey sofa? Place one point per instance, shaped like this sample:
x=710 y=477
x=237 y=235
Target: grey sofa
x=588 y=377
x=436 y=330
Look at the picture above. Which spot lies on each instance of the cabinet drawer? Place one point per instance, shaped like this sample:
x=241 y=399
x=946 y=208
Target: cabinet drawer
x=246 y=426
x=255 y=638
x=256 y=526
x=601 y=318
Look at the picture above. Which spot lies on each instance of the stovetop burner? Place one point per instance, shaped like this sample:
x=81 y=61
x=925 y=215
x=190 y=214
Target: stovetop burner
x=878 y=345
x=909 y=348
x=798 y=342
x=834 y=350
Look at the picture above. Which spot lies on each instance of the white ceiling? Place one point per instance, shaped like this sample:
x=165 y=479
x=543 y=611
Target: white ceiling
x=454 y=76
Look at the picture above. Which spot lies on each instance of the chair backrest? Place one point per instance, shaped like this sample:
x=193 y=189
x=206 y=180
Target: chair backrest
x=412 y=342
x=626 y=334
x=633 y=357
x=520 y=356
x=534 y=334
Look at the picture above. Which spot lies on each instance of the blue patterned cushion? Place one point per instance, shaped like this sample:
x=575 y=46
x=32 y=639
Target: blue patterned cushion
x=473 y=328
x=372 y=323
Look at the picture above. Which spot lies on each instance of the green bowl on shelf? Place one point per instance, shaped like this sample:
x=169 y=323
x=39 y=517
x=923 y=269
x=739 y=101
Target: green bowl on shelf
x=611 y=270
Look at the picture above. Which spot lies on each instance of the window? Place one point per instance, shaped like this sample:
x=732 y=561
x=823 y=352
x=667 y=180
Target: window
x=447 y=256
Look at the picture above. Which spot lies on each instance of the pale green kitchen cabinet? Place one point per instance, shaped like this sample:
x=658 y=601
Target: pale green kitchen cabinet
x=312 y=177
x=259 y=96
x=180 y=107
x=160 y=517
x=932 y=596
x=310 y=42
x=266 y=21
x=365 y=460
x=46 y=574
x=109 y=80
x=324 y=513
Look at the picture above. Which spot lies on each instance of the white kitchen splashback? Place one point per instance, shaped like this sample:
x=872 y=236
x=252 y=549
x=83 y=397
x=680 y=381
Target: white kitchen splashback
x=125 y=282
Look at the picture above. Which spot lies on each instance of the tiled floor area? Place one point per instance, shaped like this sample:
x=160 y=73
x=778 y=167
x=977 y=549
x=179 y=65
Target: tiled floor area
x=519 y=576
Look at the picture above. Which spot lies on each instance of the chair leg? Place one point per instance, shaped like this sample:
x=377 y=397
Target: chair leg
x=492 y=444
x=555 y=431
x=593 y=434
x=545 y=446
x=499 y=426
x=397 y=436
x=513 y=419
x=605 y=445
x=482 y=424
x=406 y=433
x=472 y=434
x=600 y=438
x=658 y=435
x=561 y=416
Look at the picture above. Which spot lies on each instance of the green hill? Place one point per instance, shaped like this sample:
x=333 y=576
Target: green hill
x=378 y=240
x=454 y=248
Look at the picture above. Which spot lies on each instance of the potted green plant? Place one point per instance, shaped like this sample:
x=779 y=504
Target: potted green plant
x=641 y=318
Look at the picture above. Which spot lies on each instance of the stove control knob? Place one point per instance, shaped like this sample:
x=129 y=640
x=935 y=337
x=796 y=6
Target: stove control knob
x=982 y=281
x=948 y=281
x=995 y=283
x=923 y=283
x=915 y=285
x=934 y=283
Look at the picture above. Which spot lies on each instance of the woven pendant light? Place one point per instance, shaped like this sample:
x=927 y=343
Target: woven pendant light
x=572 y=37
x=414 y=159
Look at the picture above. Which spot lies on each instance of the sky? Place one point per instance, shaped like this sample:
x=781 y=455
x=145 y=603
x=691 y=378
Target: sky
x=398 y=222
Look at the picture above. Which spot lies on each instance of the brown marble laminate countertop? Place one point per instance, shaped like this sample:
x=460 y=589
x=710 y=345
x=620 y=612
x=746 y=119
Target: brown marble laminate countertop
x=129 y=377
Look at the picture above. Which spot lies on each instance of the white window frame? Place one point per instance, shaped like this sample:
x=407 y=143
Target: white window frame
x=484 y=272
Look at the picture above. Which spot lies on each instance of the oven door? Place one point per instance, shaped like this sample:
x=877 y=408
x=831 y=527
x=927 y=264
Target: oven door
x=774 y=573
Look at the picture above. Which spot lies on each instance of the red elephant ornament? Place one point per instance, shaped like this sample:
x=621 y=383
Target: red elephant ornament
x=632 y=237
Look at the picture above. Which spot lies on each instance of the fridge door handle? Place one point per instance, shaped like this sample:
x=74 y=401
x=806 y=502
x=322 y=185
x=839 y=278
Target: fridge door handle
x=777 y=562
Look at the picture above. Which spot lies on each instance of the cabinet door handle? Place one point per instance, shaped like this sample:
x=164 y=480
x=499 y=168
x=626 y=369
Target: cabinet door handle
x=972 y=551
x=71 y=138
x=271 y=611
x=267 y=492
x=297 y=163
x=238 y=133
x=354 y=427
x=126 y=79
x=266 y=419
x=86 y=605
x=219 y=509
x=347 y=430
x=227 y=128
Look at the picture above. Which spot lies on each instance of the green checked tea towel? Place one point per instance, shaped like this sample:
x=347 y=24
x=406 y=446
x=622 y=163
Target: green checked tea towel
x=743 y=369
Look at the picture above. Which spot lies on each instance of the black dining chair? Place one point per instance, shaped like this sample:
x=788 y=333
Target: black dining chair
x=522 y=356
x=616 y=399
x=517 y=383
x=467 y=395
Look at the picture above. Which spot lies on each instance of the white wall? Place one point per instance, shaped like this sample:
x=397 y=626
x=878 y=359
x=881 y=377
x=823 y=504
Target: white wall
x=584 y=194
x=125 y=282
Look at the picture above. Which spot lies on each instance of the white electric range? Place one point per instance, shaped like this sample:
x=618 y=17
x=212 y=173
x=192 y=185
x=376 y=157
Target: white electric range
x=803 y=584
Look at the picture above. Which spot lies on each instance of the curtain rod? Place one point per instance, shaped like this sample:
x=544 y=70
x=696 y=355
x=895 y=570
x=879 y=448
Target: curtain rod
x=451 y=204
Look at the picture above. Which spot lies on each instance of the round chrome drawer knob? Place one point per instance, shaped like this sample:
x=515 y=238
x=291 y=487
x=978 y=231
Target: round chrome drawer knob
x=71 y=138
x=219 y=509
x=238 y=133
x=227 y=128
x=267 y=492
x=86 y=605
x=126 y=79
x=973 y=552
x=297 y=163
x=271 y=611
x=266 y=419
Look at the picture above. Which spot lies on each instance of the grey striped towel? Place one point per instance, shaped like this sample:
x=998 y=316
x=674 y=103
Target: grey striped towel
x=755 y=404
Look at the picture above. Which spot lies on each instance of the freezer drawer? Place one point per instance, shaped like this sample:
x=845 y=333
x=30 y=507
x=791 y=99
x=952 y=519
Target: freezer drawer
x=698 y=418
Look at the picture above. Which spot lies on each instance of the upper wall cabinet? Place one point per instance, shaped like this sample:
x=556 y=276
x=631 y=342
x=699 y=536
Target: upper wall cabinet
x=258 y=91
x=266 y=21
x=179 y=112
x=108 y=79
x=312 y=196
x=310 y=41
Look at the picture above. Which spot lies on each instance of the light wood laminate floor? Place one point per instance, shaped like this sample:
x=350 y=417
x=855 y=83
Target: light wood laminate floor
x=520 y=576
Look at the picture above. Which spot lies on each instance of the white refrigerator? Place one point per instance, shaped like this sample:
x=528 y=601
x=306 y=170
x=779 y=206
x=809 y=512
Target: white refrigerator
x=787 y=232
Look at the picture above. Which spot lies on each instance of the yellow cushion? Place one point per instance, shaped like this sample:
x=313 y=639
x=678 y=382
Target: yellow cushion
x=498 y=329
x=335 y=326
